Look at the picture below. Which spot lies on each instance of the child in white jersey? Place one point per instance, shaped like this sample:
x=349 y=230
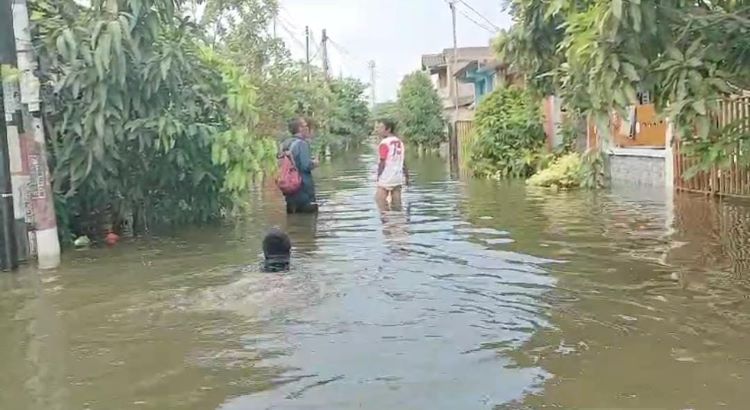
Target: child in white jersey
x=392 y=171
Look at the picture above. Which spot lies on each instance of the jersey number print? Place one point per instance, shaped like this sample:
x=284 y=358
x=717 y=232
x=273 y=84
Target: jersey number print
x=397 y=149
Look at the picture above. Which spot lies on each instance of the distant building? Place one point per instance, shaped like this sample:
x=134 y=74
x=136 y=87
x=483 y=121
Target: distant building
x=441 y=66
x=485 y=75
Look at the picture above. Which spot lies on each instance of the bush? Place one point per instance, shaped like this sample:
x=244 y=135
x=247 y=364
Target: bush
x=565 y=172
x=509 y=138
x=572 y=171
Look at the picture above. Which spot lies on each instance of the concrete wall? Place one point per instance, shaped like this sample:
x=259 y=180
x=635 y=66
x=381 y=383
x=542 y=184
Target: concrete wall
x=446 y=93
x=645 y=167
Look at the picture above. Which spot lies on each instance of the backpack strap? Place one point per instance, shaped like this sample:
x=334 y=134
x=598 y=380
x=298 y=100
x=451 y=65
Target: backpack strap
x=288 y=152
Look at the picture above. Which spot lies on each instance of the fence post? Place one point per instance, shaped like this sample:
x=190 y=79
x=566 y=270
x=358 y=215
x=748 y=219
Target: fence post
x=669 y=175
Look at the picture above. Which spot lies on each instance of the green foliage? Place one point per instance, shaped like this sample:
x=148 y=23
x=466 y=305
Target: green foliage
x=532 y=42
x=420 y=111
x=564 y=173
x=9 y=73
x=142 y=118
x=593 y=171
x=151 y=115
x=569 y=134
x=336 y=108
x=509 y=135
x=720 y=152
x=237 y=149
x=597 y=55
x=571 y=171
x=386 y=110
x=350 y=118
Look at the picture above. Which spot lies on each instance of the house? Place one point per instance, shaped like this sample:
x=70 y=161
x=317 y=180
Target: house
x=441 y=66
x=485 y=75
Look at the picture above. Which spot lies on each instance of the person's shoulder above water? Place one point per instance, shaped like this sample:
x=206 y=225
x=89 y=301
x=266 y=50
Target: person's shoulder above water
x=287 y=142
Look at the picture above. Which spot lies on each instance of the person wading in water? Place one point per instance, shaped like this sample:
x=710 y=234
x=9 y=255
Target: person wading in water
x=302 y=201
x=392 y=171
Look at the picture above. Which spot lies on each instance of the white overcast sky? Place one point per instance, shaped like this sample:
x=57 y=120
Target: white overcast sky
x=393 y=33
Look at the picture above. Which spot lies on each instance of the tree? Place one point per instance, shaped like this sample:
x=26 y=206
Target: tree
x=143 y=118
x=688 y=54
x=420 y=111
x=238 y=33
x=388 y=109
x=151 y=114
x=350 y=118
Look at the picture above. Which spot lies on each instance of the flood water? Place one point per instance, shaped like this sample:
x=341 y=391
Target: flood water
x=476 y=296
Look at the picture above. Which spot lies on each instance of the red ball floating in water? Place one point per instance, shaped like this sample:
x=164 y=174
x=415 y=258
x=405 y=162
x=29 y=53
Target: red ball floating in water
x=112 y=238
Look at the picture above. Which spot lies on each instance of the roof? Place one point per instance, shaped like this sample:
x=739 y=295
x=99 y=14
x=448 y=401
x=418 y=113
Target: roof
x=470 y=53
x=432 y=62
x=462 y=66
x=488 y=64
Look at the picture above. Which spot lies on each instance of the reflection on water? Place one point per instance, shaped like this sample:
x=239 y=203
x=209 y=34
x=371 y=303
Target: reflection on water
x=470 y=295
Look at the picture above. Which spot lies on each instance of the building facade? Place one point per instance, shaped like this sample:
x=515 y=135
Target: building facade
x=444 y=71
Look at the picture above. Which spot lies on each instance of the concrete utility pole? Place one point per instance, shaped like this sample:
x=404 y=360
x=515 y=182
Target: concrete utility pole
x=372 y=83
x=324 y=52
x=9 y=250
x=455 y=62
x=307 y=51
x=10 y=111
x=32 y=148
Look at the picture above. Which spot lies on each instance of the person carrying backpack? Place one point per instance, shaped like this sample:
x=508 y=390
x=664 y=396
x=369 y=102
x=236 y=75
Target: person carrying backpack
x=296 y=166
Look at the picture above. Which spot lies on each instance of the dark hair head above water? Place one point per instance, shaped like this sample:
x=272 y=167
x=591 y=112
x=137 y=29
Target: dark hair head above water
x=277 y=248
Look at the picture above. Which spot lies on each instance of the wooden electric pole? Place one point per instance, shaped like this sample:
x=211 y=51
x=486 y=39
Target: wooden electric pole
x=307 y=51
x=372 y=83
x=324 y=52
x=451 y=76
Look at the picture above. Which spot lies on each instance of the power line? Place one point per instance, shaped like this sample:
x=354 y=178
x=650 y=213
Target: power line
x=491 y=24
x=468 y=17
x=317 y=52
x=293 y=36
x=478 y=24
x=318 y=45
x=346 y=52
x=346 y=58
x=287 y=19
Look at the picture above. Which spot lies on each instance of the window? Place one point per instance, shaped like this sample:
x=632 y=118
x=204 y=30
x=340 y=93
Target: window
x=644 y=97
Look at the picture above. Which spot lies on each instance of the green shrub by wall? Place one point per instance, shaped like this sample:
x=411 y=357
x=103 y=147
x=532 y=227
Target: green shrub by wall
x=509 y=139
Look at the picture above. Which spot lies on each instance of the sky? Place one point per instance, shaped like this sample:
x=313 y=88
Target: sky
x=393 y=33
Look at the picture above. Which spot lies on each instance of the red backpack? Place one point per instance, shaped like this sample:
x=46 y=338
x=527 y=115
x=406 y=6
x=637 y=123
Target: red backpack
x=289 y=179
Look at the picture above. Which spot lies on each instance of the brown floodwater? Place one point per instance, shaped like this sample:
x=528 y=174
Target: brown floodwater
x=477 y=295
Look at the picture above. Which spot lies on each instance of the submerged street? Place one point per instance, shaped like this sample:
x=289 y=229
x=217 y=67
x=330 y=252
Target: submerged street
x=478 y=295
